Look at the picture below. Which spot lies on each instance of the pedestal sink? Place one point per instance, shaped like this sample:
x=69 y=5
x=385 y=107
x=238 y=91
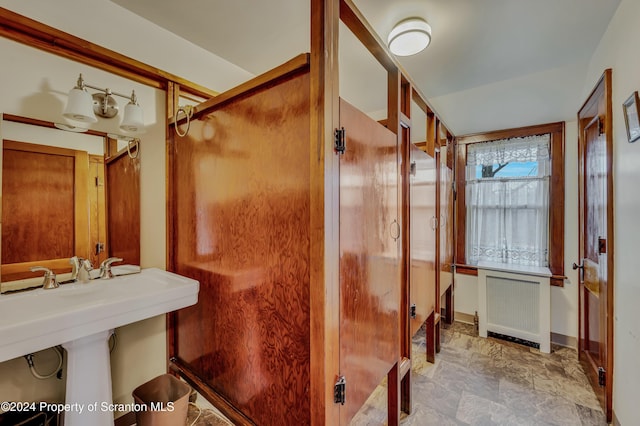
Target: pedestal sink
x=81 y=317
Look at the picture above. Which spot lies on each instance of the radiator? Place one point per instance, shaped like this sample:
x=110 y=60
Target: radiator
x=515 y=304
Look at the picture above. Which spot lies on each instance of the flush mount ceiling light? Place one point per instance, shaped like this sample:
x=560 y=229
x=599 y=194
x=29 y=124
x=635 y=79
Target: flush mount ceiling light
x=409 y=37
x=83 y=106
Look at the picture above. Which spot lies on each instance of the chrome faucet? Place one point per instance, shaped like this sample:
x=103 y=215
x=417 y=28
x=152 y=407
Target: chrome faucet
x=80 y=270
x=105 y=267
x=49 y=281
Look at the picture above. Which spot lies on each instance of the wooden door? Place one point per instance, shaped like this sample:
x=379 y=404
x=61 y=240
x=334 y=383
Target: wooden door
x=369 y=256
x=45 y=213
x=596 y=241
x=422 y=212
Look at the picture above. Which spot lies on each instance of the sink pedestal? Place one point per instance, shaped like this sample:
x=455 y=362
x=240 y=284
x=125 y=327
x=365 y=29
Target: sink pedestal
x=89 y=381
x=84 y=316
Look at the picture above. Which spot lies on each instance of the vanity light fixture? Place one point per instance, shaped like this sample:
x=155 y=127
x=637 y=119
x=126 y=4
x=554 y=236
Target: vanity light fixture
x=83 y=106
x=409 y=36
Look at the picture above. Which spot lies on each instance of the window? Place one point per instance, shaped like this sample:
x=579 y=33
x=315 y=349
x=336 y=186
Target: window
x=510 y=198
x=507 y=197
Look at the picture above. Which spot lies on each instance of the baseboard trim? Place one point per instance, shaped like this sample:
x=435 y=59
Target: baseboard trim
x=463 y=317
x=615 y=421
x=566 y=341
x=556 y=338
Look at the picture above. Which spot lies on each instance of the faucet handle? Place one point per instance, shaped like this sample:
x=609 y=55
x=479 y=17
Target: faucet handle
x=105 y=267
x=49 y=280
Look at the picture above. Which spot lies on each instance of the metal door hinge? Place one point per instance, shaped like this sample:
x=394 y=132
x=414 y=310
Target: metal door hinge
x=99 y=181
x=339 y=141
x=413 y=168
x=602 y=245
x=412 y=311
x=99 y=248
x=601 y=128
x=340 y=390
x=602 y=377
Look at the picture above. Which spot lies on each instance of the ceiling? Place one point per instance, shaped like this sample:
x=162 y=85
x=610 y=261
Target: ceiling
x=477 y=45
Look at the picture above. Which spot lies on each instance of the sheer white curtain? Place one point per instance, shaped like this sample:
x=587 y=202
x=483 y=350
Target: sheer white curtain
x=508 y=217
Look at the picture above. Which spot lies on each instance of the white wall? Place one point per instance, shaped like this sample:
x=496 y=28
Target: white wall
x=564 y=300
x=114 y=27
x=618 y=50
x=35 y=84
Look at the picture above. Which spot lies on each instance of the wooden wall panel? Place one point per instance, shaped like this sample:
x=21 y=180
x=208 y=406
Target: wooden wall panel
x=123 y=208
x=241 y=227
x=369 y=256
x=423 y=236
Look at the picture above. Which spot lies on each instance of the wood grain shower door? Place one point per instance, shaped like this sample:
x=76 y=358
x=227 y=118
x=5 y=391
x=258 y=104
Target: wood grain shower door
x=422 y=183
x=241 y=228
x=445 y=227
x=369 y=256
x=123 y=204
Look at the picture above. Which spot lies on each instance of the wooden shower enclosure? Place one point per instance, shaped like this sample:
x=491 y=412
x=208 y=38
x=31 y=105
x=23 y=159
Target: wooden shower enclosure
x=300 y=247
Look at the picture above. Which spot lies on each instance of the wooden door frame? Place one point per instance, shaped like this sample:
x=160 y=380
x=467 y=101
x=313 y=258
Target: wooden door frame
x=603 y=85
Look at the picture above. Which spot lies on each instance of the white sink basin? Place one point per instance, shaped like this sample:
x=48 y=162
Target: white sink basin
x=81 y=317
x=39 y=319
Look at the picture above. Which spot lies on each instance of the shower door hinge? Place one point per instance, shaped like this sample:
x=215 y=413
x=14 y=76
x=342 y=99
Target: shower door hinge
x=602 y=377
x=340 y=391
x=339 y=143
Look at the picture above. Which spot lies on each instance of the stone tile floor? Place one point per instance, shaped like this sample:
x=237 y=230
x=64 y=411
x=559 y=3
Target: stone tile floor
x=206 y=417
x=482 y=382
x=477 y=381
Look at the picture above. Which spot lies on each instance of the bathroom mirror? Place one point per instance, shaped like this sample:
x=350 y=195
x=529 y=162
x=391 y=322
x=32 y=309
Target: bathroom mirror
x=65 y=194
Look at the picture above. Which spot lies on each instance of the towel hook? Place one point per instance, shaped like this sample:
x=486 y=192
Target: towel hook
x=187 y=110
x=137 y=148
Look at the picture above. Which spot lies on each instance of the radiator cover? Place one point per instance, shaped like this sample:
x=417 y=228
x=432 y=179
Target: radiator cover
x=515 y=304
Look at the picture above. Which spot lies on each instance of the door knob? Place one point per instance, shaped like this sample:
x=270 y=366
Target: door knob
x=576 y=266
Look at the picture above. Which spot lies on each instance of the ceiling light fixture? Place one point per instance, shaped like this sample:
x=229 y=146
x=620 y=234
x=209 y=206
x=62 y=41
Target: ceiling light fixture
x=409 y=37
x=83 y=106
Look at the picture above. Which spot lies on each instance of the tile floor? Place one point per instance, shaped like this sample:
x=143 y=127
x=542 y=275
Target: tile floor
x=205 y=417
x=477 y=381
